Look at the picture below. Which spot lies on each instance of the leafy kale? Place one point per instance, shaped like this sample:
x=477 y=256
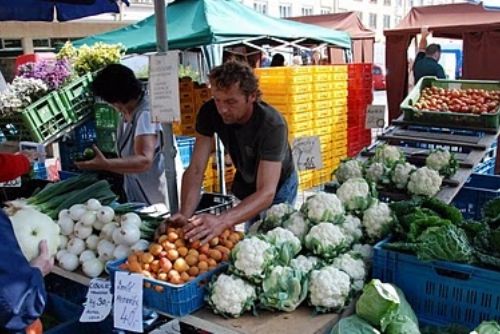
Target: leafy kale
x=443 y=210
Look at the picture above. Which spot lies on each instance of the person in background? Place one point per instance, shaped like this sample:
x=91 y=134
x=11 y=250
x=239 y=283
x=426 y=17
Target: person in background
x=278 y=60
x=265 y=61
x=426 y=61
x=297 y=60
x=22 y=290
x=256 y=137
x=316 y=58
x=139 y=141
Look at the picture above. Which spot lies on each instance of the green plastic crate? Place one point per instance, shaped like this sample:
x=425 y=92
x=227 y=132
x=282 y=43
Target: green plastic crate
x=38 y=122
x=77 y=98
x=446 y=119
x=106 y=140
x=106 y=117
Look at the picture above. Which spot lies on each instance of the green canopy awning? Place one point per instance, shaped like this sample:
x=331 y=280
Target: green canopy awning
x=194 y=23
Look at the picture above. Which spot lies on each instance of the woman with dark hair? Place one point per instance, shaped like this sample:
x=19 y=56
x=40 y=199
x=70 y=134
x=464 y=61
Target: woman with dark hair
x=278 y=60
x=139 y=141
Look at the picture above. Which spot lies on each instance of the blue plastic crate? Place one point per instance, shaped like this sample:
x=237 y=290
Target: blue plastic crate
x=478 y=190
x=441 y=293
x=486 y=167
x=64 y=175
x=81 y=138
x=174 y=300
x=186 y=146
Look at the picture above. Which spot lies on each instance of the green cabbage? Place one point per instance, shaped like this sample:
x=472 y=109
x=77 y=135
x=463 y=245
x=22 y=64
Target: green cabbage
x=284 y=289
x=378 y=304
x=353 y=325
x=402 y=325
x=488 y=327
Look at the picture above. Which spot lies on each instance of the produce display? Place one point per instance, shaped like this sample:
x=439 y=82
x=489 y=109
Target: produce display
x=20 y=94
x=475 y=101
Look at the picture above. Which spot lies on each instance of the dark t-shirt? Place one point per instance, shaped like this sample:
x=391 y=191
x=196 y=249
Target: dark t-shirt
x=263 y=137
x=427 y=66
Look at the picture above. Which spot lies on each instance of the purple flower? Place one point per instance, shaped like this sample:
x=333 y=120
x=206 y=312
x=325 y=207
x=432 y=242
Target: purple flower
x=53 y=73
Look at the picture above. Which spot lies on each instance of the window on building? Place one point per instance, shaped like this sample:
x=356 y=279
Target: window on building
x=360 y=15
x=306 y=11
x=326 y=10
x=373 y=21
x=387 y=21
x=260 y=6
x=41 y=43
x=285 y=10
x=12 y=44
x=397 y=19
x=387 y=2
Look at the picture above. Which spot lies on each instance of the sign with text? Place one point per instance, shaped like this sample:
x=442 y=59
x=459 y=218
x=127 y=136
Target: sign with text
x=164 y=87
x=127 y=311
x=99 y=301
x=16 y=183
x=306 y=153
x=375 y=117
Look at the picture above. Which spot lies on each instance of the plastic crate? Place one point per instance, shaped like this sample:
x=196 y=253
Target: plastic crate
x=298 y=117
x=37 y=122
x=286 y=80
x=78 y=140
x=478 y=190
x=322 y=77
x=186 y=146
x=106 y=140
x=214 y=203
x=106 y=116
x=491 y=120
x=322 y=86
x=287 y=89
x=288 y=99
x=77 y=98
x=486 y=168
x=294 y=108
x=322 y=68
x=441 y=292
x=283 y=71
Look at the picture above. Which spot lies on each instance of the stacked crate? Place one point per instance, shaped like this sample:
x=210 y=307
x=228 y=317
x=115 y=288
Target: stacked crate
x=211 y=180
x=192 y=96
x=360 y=96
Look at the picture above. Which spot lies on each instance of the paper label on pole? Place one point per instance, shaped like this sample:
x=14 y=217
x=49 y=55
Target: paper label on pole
x=375 y=117
x=307 y=153
x=164 y=87
x=127 y=311
x=16 y=183
x=99 y=301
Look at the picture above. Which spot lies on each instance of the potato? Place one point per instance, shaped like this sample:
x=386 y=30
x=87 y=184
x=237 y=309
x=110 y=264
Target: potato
x=214 y=242
x=176 y=280
x=145 y=266
x=228 y=244
x=147 y=257
x=132 y=258
x=171 y=230
x=212 y=263
x=203 y=265
x=173 y=273
x=182 y=251
x=202 y=257
x=193 y=252
x=165 y=265
x=215 y=254
x=155 y=249
x=167 y=245
x=172 y=255
x=155 y=266
x=191 y=260
x=204 y=249
x=180 y=265
x=146 y=274
x=226 y=234
x=162 y=254
x=162 y=276
x=195 y=244
x=180 y=243
x=193 y=271
x=234 y=237
x=184 y=276
x=223 y=249
x=162 y=238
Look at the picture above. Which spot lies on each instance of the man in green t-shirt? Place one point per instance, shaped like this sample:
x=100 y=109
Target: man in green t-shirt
x=256 y=136
x=426 y=62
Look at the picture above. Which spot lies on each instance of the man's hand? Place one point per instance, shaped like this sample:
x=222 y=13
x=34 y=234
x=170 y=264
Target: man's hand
x=98 y=163
x=204 y=227
x=425 y=31
x=177 y=220
x=44 y=262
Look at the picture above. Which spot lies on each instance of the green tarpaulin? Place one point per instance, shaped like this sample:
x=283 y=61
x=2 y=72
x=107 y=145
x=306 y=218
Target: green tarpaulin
x=193 y=23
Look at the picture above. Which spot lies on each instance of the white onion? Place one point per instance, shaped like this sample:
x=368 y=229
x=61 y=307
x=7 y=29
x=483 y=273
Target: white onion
x=106 y=214
x=60 y=254
x=82 y=231
x=107 y=231
x=93 y=204
x=98 y=225
x=77 y=211
x=92 y=268
x=105 y=250
x=63 y=241
x=66 y=224
x=63 y=213
x=87 y=255
x=88 y=218
x=69 y=261
x=130 y=234
x=92 y=241
x=76 y=246
x=121 y=251
x=131 y=218
x=140 y=245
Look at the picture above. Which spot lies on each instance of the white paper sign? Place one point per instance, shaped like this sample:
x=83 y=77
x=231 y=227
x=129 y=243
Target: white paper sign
x=16 y=183
x=375 y=115
x=307 y=153
x=99 y=301
x=127 y=311
x=164 y=87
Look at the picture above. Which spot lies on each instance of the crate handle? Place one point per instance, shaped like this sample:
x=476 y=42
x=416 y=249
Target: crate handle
x=453 y=273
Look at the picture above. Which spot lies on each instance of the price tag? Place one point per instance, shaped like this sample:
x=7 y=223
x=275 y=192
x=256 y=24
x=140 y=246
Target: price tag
x=16 y=183
x=164 y=87
x=127 y=311
x=306 y=153
x=375 y=115
x=99 y=300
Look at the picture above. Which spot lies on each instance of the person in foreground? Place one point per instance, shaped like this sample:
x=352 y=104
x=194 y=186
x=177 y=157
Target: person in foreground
x=139 y=141
x=256 y=136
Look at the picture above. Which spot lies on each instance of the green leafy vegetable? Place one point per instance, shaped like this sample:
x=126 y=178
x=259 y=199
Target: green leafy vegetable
x=284 y=289
x=378 y=304
x=447 y=243
x=444 y=210
x=353 y=325
x=487 y=327
x=402 y=325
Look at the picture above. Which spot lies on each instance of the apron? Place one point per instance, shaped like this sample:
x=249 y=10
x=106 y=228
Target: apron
x=149 y=187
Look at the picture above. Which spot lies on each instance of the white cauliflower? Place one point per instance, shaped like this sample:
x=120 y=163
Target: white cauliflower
x=251 y=257
x=327 y=240
x=323 y=207
x=401 y=174
x=329 y=289
x=231 y=296
x=287 y=244
x=297 y=224
x=425 y=181
x=355 y=194
x=388 y=155
x=304 y=263
x=348 y=169
x=365 y=252
x=352 y=228
x=375 y=172
x=442 y=161
x=275 y=216
x=355 y=268
x=377 y=221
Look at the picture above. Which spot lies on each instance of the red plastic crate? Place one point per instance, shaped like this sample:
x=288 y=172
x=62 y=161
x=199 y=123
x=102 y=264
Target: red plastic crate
x=360 y=84
x=360 y=67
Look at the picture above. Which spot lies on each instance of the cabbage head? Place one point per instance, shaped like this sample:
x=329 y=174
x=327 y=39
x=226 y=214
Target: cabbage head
x=284 y=289
x=353 y=325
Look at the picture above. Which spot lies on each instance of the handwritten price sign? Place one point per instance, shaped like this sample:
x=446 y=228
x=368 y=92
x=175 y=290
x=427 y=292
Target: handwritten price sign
x=99 y=299
x=306 y=153
x=16 y=183
x=375 y=115
x=128 y=301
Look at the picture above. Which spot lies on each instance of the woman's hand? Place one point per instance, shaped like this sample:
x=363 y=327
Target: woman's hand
x=99 y=162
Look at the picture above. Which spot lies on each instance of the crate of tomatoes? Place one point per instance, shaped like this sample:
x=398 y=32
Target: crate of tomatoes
x=448 y=103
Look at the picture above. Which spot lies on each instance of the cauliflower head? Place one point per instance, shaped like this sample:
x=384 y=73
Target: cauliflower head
x=297 y=224
x=275 y=216
x=327 y=240
x=388 y=155
x=348 y=169
x=351 y=228
x=401 y=174
x=442 y=161
x=363 y=251
x=231 y=296
x=329 y=289
x=304 y=263
x=355 y=194
x=377 y=221
x=323 y=207
x=376 y=172
x=353 y=267
x=425 y=181
x=286 y=243
x=252 y=257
